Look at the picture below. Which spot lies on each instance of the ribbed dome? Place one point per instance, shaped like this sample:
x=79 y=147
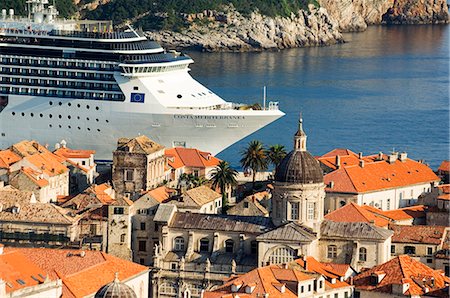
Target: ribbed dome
x=299 y=167
x=115 y=289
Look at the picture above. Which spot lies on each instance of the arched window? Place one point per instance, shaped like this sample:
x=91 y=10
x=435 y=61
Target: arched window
x=363 y=254
x=332 y=251
x=204 y=245
x=282 y=255
x=229 y=245
x=178 y=244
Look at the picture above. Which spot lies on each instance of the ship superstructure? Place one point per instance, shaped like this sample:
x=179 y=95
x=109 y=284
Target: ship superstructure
x=88 y=84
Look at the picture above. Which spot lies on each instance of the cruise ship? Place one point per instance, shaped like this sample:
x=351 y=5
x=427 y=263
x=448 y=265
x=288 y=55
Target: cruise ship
x=84 y=82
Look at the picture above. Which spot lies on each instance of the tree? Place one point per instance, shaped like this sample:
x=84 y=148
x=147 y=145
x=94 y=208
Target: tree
x=254 y=157
x=276 y=153
x=223 y=176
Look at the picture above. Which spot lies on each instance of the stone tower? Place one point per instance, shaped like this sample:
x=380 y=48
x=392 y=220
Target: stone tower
x=299 y=189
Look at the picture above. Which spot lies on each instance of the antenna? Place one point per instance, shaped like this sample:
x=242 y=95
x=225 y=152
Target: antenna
x=264 y=98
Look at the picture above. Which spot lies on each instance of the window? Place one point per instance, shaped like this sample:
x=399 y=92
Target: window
x=332 y=251
x=429 y=250
x=294 y=211
x=129 y=175
x=282 y=255
x=388 y=204
x=122 y=238
x=93 y=229
x=229 y=245
x=254 y=247
x=141 y=261
x=245 y=204
x=142 y=245
x=278 y=209
x=118 y=210
x=392 y=249
x=336 y=295
x=345 y=294
x=204 y=245
x=320 y=284
x=302 y=289
x=410 y=250
x=178 y=244
x=363 y=254
x=311 y=209
x=309 y=288
x=142 y=226
x=429 y=261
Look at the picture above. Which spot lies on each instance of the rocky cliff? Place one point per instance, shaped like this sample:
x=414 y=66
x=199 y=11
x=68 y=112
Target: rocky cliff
x=234 y=32
x=417 y=12
x=356 y=15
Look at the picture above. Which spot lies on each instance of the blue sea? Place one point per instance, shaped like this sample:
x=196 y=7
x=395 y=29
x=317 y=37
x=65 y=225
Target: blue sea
x=384 y=89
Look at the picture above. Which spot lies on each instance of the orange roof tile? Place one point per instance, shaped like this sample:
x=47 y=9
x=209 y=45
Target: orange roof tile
x=81 y=276
x=354 y=213
x=445 y=166
x=444 y=197
x=399 y=270
x=161 y=193
x=15 y=267
x=340 y=152
x=445 y=188
x=417 y=234
x=71 y=153
x=379 y=175
x=411 y=212
x=35 y=177
x=190 y=157
x=48 y=162
x=27 y=148
x=7 y=158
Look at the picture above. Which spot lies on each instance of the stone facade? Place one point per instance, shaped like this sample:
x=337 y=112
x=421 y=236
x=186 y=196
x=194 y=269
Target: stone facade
x=138 y=164
x=119 y=234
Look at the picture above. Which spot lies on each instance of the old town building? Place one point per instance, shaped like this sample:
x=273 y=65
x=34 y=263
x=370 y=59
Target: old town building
x=197 y=251
x=299 y=189
x=138 y=165
x=63 y=273
x=200 y=199
x=384 y=181
x=401 y=276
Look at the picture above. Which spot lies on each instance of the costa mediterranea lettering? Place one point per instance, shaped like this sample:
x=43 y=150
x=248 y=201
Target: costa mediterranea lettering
x=208 y=117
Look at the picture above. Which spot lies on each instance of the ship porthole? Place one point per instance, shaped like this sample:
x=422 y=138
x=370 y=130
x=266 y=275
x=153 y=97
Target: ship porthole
x=179 y=96
x=13 y=113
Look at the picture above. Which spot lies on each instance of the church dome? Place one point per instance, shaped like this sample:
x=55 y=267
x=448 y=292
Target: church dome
x=299 y=166
x=115 y=289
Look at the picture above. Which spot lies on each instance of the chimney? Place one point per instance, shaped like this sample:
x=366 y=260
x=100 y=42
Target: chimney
x=392 y=157
x=431 y=280
x=403 y=156
x=380 y=156
x=338 y=162
x=361 y=163
x=360 y=155
x=305 y=262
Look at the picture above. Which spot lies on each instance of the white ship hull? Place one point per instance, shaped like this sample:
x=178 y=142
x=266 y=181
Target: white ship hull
x=99 y=126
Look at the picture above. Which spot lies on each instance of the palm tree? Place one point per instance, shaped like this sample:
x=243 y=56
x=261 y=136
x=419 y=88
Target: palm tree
x=223 y=176
x=276 y=153
x=254 y=157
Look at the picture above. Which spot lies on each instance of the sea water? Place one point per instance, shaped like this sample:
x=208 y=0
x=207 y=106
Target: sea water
x=384 y=89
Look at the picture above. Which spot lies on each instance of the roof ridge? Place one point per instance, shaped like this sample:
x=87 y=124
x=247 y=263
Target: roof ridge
x=351 y=180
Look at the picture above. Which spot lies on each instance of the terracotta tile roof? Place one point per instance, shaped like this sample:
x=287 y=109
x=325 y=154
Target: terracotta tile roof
x=7 y=158
x=379 y=175
x=340 y=269
x=81 y=275
x=312 y=265
x=35 y=177
x=189 y=157
x=354 y=213
x=445 y=188
x=161 y=193
x=27 y=148
x=445 y=166
x=340 y=152
x=418 y=234
x=29 y=210
x=400 y=270
x=48 y=163
x=265 y=280
x=444 y=197
x=140 y=144
x=71 y=153
x=17 y=271
x=411 y=212
x=94 y=195
x=202 y=195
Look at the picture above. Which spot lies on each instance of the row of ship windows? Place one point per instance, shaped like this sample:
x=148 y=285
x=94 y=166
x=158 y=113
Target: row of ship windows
x=57 y=73
x=149 y=69
x=62 y=93
x=59 y=83
x=59 y=116
x=57 y=63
